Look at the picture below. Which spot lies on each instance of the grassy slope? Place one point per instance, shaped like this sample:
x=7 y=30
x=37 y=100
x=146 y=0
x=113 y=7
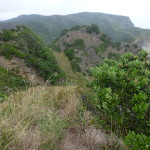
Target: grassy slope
x=43 y=117
x=37 y=118
x=63 y=62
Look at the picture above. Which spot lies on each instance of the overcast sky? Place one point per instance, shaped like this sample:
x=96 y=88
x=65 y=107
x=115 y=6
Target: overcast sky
x=137 y=10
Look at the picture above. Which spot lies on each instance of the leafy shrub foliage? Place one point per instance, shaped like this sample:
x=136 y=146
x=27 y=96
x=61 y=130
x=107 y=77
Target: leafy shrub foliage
x=9 y=50
x=123 y=93
x=70 y=53
x=75 y=66
x=55 y=48
x=92 y=29
x=79 y=44
x=137 y=141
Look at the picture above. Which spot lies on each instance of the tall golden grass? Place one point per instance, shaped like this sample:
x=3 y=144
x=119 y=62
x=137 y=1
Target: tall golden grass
x=37 y=118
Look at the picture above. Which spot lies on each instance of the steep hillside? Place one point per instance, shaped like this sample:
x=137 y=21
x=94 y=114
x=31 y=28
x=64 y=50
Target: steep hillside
x=49 y=27
x=24 y=57
x=86 y=46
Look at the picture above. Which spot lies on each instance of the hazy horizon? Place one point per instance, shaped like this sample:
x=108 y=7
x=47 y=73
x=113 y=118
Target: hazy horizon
x=137 y=11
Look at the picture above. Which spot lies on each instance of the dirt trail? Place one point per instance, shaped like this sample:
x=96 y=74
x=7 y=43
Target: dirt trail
x=87 y=139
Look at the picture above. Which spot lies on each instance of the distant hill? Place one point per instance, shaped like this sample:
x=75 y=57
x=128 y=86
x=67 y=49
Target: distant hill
x=120 y=28
x=86 y=47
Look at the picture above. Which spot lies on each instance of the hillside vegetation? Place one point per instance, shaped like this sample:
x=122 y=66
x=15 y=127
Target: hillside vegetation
x=120 y=28
x=71 y=106
x=87 y=46
x=10 y=82
x=24 y=44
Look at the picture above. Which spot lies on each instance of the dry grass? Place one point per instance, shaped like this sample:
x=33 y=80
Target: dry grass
x=63 y=62
x=36 y=118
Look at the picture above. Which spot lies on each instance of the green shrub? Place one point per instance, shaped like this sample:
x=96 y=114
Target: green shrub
x=70 y=53
x=92 y=29
x=101 y=49
x=79 y=44
x=75 y=66
x=123 y=92
x=9 y=50
x=137 y=141
x=116 y=45
x=63 y=32
x=55 y=48
x=7 y=35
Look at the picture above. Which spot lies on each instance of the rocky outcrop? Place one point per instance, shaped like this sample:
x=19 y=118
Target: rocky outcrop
x=96 y=47
x=19 y=67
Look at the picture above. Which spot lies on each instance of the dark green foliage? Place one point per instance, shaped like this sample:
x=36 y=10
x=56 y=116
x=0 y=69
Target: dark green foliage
x=63 y=32
x=93 y=29
x=7 y=35
x=101 y=49
x=78 y=59
x=123 y=90
x=70 y=53
x=137 y=141
x=10 y=82
x=9 y=50
x=55 y=48
x=105 y=39
x=75 y=66
x=123 y=94
x=116 y=45
x=78 y=44
x=135 y=46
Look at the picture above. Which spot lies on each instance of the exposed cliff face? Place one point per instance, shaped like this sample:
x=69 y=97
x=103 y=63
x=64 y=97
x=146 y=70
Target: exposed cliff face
x=93 y=48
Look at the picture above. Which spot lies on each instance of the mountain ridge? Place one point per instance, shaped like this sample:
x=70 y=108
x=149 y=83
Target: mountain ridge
x=49 y=27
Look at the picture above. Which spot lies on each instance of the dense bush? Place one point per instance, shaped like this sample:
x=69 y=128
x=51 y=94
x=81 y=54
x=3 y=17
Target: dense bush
x=75 y=66
x=9 y=50
x=55 y=48
x=78 y=44
x=70 y=53
x=8 y=35
x=92 y=29
x=101 y=49
x=137 y=141
x=123 y=93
